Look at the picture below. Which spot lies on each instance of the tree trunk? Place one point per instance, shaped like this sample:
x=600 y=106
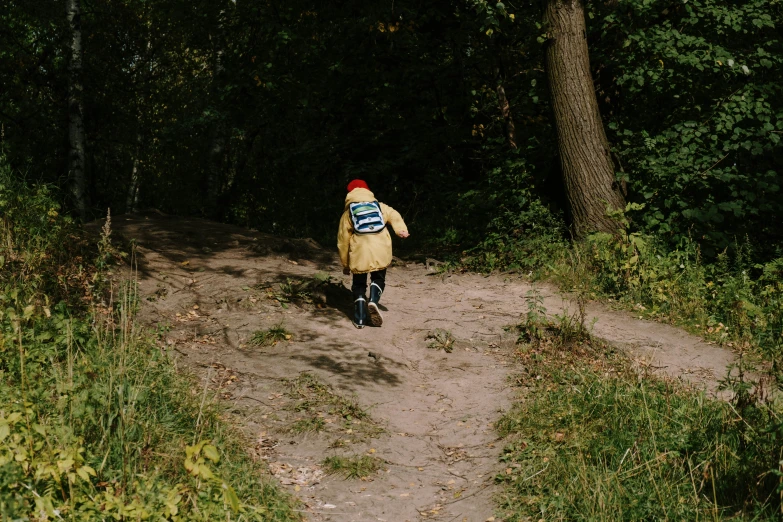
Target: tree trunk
x=217 y=145
x=585 y=156
x=508 y=119
x=132 y=201
x=76 y=153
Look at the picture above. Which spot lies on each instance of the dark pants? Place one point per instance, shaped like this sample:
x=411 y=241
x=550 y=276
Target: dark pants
x=359 y=286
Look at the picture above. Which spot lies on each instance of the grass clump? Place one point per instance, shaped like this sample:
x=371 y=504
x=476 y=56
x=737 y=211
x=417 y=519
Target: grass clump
x=595 y=441
x=318 y=402
x=95 y=421
x=307 y=425
x=441 y=340
x=352 y=467
x=270 y=336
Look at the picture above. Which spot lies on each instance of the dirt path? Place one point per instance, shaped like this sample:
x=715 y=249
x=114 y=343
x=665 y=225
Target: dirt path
x=207 y=287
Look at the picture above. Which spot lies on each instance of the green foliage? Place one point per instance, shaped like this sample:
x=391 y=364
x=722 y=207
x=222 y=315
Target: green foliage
x=95 y=421
x=352 y=467
x=593 y=441
x=441 y=340
x=696 y=115
x=562 y=331
x=271 y=336
x=42 y=253
x=522 y=233
x=731 y=301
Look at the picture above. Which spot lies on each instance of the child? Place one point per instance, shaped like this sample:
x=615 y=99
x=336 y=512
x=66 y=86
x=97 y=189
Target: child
x=365 y=247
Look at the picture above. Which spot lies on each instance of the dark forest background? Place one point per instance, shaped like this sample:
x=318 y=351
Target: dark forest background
x=259 y=112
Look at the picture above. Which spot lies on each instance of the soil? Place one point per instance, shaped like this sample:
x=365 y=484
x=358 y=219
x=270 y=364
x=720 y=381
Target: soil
x=208 y=287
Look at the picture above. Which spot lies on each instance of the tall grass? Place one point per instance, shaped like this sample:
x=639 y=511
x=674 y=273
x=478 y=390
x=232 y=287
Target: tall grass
x=95 y=421
x=595 y=441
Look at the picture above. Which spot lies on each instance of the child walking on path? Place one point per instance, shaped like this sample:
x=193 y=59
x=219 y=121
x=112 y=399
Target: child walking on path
x=365 y=248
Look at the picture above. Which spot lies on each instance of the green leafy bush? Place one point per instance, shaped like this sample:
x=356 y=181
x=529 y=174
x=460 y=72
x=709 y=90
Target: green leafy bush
x=695 y=114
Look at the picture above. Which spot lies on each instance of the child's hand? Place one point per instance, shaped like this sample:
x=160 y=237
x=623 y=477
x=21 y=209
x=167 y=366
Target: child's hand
x=346 y=271
x=403 y=234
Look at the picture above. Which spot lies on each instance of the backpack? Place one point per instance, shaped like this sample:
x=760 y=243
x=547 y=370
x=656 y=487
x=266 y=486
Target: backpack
x=367 y=217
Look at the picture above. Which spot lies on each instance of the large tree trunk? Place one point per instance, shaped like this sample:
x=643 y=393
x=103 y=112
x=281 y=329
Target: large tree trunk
x=585 y=156
x=76 y=153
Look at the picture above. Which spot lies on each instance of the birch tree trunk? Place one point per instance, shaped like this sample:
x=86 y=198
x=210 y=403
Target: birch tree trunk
x=76 y=141
x=585 y=154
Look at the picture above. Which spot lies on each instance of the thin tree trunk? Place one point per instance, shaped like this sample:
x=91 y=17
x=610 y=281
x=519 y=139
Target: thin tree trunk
x=508 y=119
x=215 y=175
x=76 y=156
x=217 y=144
x=585 y=156
x=132 y=201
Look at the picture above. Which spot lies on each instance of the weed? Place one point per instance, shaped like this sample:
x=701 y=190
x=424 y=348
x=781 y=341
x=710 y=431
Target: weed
x=271 y=336
x=564 y=330
x=306 y=425
x=533 y=327
x=352 y=467
x=441 y=340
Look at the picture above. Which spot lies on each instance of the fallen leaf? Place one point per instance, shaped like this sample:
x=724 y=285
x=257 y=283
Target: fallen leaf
x=185 y=263
x=297 y=488
x=195 y=307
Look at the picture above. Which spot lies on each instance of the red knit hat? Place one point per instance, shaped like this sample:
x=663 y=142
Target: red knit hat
x=357 y=183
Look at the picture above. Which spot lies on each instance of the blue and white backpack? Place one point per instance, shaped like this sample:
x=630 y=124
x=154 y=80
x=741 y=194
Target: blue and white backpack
x=367 y=217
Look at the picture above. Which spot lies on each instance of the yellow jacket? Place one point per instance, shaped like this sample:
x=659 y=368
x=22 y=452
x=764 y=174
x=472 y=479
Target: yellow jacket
x=364 y=253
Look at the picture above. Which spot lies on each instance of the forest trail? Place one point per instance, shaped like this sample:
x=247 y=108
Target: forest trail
x=207 y=286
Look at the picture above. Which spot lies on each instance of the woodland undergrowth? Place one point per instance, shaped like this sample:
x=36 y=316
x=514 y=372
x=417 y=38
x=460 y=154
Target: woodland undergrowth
x=95 y=420
x=731 y=299
x=595 y=438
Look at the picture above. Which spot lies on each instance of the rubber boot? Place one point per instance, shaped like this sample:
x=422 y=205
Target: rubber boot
x=376 y=319
x=360 y=312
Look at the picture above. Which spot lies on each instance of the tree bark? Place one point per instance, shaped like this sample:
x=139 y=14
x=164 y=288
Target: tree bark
x=76 y=141
x=585 y=154
x=132 y=201
x=508 y=119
